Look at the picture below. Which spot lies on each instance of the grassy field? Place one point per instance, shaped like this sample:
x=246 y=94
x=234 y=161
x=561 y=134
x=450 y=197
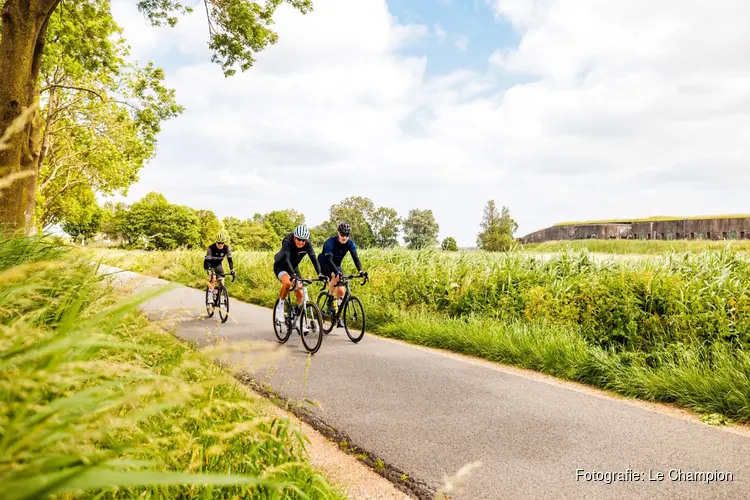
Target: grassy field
x=638 y=247
x=99 y=403
x=676 y=330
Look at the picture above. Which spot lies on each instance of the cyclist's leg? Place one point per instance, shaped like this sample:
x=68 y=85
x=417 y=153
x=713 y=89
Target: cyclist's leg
x=285 y=280
x=340 y=290
x=286 y=284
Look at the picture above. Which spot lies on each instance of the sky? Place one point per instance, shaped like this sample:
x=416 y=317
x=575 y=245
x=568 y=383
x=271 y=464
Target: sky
x=558 y=109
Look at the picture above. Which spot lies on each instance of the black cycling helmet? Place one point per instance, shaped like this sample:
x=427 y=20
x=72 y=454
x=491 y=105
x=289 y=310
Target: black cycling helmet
x=345 y=229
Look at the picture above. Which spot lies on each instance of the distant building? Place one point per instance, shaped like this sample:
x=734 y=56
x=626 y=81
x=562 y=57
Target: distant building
x=690 y=228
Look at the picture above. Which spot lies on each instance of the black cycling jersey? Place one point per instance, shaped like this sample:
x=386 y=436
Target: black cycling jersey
x=289 y=257
x=215 y=257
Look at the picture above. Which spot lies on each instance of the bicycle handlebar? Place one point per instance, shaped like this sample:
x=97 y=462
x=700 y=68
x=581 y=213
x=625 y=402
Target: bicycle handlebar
x=297 y=279
x=345 y=278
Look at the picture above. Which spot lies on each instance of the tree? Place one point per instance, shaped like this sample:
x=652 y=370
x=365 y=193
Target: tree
x=251 y=234
x=385 y=224
x=84 y=220
x=449 y=244
x=320 y=233
x=357 y=211
x=283 y=222
x=237 y=30
x=164 y=225
x=497 y=229
x=421 y=229
x=101 y=116
x=114 y=219
x=371 y=227
x=209 y=225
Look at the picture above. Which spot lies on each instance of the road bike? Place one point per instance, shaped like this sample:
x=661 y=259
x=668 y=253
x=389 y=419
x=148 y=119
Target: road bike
x=218 y=298
x=351 y=307
x=298 y=316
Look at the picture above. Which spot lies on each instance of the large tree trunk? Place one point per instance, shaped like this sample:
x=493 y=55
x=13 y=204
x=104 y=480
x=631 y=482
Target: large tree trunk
x=21 y=46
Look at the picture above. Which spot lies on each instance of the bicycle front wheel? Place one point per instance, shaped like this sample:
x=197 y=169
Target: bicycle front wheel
x=224 y=305
x=279 y=326
x=209 y=302
x=327 y=319
x=311 y=318
x=354 y=319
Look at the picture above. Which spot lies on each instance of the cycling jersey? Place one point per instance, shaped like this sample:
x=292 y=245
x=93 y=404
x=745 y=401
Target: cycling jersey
x=334 y=252
x=288 y=258
x=215 y=257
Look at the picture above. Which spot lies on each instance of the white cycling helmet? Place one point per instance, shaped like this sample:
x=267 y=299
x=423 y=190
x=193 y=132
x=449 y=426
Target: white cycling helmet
x=302 y=232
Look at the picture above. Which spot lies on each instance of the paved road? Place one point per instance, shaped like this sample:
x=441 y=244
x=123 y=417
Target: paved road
x=429 y=414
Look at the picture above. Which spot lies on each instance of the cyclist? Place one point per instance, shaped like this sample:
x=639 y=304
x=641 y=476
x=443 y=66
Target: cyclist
x=213 y=262
x=334 y=250
x=286 y=262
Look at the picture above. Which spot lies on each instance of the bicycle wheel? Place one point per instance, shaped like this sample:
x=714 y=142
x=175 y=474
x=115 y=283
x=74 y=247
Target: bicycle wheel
x=314 y=337
x=224 y=305
x=354 y=319
x=327 y=319
x=209 y=302
x=279 y=327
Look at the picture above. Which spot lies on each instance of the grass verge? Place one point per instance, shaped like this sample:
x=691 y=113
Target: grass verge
x=97 y=402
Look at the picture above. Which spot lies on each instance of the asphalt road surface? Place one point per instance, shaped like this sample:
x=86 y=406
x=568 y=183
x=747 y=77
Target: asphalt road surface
x=430 y=413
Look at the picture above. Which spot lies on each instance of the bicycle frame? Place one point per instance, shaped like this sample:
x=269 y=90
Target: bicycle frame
x=344 y=281
x=219 y=281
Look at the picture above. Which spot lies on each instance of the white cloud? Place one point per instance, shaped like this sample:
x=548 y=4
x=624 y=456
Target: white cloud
x=618 y=97
x=461 y=42
x=440 y=32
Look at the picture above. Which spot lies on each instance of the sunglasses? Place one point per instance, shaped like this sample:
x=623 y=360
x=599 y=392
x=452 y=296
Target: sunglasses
x=297 y=239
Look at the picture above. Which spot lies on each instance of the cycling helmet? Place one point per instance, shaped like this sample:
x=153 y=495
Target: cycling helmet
x=345 y=229
x=302 y=232
x=220 y=238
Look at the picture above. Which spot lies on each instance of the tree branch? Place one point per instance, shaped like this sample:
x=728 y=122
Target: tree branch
x=72 y=87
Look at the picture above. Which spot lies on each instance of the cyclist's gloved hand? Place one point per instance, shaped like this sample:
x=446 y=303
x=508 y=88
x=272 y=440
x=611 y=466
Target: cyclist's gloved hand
x=232 y=272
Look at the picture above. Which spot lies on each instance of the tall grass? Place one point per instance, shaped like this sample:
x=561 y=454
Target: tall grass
x=639 y=247
x=676 y=329
x=97 y=402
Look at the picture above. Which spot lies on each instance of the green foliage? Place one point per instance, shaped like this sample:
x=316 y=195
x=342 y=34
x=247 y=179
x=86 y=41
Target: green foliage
x=96 y=402
x=371 y=227
x=497 y=229
x=639 y=247
x=283 y=222
x=102 y=114
x=421 y=229
x=83 y=219
x=114 y=220
x=385 y=224
x=210 y=226
x=163 y=225
x=357 y=211
x=251 y=234
x=238 y=28
x=449 y=244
